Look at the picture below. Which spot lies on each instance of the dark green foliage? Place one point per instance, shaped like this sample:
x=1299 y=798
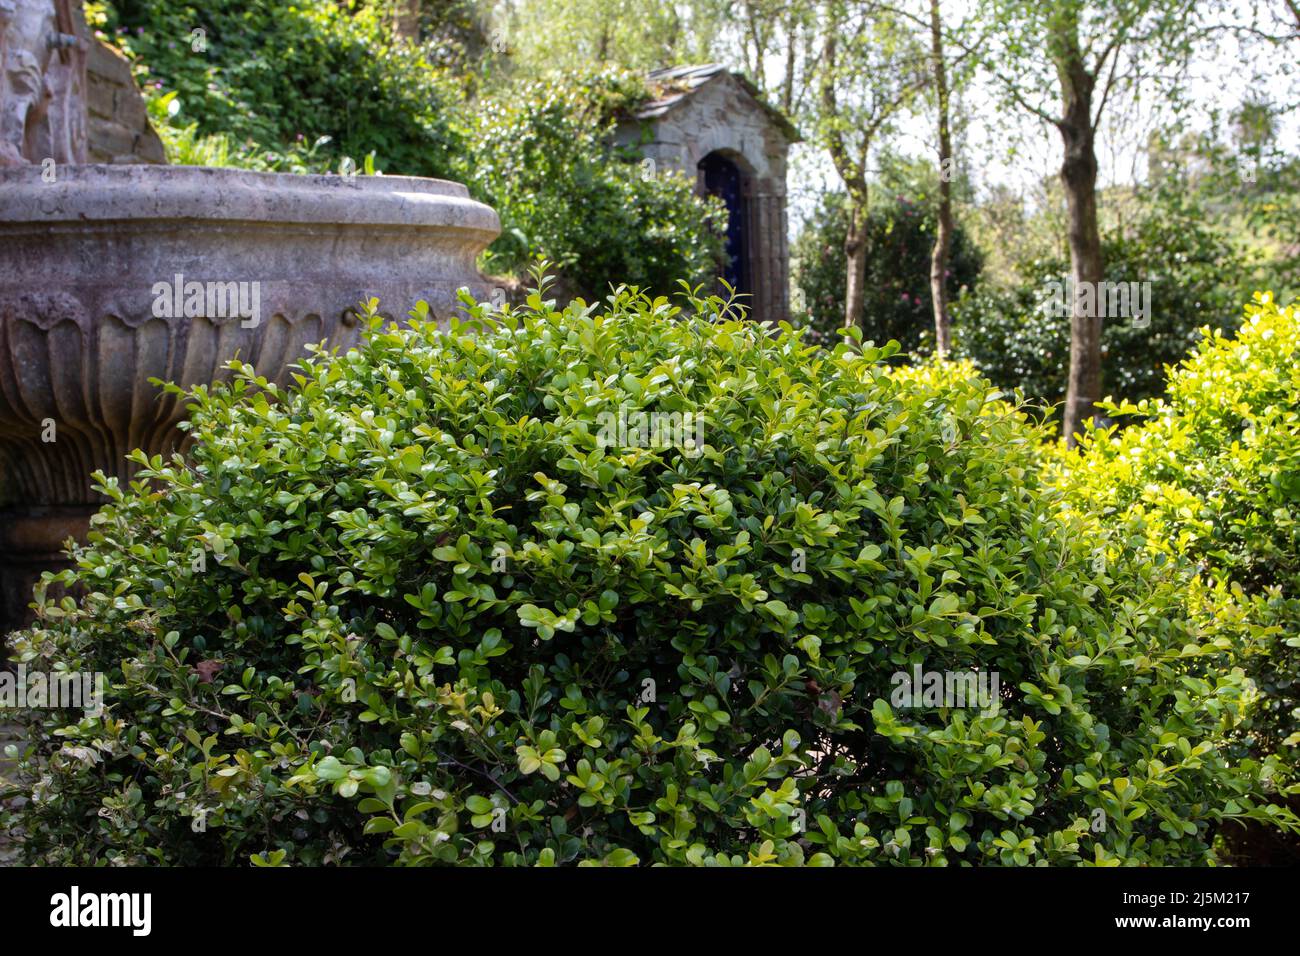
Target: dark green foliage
x=417 y=609
x=1193 y=271
x=278 y=77
x=900 y=237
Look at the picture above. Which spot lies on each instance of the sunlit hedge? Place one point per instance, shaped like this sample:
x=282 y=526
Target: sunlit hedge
x=1213 y=475
x=630 y=584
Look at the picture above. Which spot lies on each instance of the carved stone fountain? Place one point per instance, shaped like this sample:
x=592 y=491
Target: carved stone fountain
x=111 y=275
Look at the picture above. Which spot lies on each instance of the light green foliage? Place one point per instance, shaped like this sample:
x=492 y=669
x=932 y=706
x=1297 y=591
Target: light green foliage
x=1213 y=477
x=453 y=627
x=542 y=36
x=1029 y=46
x=184 y=144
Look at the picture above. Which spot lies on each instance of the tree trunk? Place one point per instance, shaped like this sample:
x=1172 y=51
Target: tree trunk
x=943 y=238
x=1079 y=177
x=1294 y=7
x=791 y=52
x=408 y=20
x=855 y=255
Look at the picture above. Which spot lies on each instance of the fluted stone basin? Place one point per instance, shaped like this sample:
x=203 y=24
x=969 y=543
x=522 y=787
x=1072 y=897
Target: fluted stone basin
x=113 y=275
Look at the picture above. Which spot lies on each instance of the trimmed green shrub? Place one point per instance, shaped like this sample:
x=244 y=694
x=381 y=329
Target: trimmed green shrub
x=1213 y=472
x=452 y=599
x=543 y=155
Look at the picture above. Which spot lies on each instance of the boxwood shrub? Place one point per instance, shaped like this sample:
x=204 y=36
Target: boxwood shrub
x=1213 y=472
x=449 y=599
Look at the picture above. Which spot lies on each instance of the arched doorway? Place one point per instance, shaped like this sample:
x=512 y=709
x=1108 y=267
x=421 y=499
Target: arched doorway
x=721 y=177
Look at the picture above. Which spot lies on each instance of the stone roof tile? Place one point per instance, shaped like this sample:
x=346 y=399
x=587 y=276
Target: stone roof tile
x=672 y=86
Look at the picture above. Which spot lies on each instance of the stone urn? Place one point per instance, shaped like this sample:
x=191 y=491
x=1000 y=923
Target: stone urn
x=114 y=275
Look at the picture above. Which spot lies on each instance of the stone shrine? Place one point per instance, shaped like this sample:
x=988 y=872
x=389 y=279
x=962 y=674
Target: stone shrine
x=713 y=125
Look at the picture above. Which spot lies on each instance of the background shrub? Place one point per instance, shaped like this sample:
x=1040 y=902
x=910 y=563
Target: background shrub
x=416 y=610
x=897 y=305
x=542 y=154
x=1193 y=270
x=295 y=86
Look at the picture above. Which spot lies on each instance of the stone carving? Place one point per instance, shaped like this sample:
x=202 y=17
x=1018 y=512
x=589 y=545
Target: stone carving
x=43 y=45
x=114 y=275
x=74 y=382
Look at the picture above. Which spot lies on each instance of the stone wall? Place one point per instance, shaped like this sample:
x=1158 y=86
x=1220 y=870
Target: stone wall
x=117 y=124
x=64 y=96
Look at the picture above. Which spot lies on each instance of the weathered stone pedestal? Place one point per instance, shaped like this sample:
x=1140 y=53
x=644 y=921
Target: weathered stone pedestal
x=114 y=275
x=31 y=541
